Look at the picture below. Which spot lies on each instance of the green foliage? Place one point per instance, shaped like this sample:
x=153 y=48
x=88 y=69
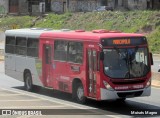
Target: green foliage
x=54 y=21
x=154 y=40
x=145 y=22
x=19 y=21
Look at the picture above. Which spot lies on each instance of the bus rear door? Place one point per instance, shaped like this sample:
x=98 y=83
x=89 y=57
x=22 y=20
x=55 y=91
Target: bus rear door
x=47 y=65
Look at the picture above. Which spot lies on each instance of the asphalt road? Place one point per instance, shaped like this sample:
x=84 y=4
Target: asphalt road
x=2 y=36
x=111 y=109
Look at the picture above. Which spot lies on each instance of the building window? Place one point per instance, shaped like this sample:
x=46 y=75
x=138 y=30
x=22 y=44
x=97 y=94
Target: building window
x=104 y=2
x=13 y=6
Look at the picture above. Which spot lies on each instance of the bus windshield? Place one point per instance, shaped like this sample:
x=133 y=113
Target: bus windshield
x=126 y=62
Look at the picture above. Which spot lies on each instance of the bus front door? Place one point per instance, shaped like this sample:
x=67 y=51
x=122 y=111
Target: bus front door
x=92 y=68
x=47 y=66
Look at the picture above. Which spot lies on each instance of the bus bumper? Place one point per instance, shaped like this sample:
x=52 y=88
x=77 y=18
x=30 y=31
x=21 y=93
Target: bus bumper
x=111 y=95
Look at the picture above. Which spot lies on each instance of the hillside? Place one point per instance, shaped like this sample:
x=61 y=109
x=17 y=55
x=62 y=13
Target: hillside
x=146 y=22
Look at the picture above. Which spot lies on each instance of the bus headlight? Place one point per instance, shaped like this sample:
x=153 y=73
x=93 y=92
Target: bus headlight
x=148 y=83
x=107 y=86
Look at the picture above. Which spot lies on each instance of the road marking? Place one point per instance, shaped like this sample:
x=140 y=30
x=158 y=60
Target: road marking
x=53 y=100
x=39 y=107
x=113 y=116
x=20 y=100
x=2 y=90
x=24 y=116
x=1 y=95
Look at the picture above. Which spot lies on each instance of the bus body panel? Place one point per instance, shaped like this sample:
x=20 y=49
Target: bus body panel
x=14 y=74
x=10 y=62
x=111 y=95
x=22 y=64
x=15 y=64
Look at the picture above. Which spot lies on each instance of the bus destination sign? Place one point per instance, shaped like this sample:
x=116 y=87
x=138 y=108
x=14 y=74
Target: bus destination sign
x=121 y=41
x=133 y=41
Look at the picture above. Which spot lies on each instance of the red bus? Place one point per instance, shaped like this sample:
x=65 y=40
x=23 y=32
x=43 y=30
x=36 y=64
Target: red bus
x=100 y=64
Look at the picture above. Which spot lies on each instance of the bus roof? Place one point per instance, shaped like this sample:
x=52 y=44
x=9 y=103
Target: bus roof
x=28 y=32
x=95 y=35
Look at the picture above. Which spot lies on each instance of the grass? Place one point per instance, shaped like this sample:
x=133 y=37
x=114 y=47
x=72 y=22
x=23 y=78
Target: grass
x=9 y=22
x=145 y=22
x=154 y=40
x=53 y=21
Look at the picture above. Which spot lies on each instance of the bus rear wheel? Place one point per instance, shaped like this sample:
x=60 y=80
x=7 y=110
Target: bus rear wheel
x=28 y=82
x=79 y=94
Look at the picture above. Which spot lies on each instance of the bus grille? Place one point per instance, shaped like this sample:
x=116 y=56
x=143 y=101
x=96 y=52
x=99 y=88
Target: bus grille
x=128 y=82
x=130 y=94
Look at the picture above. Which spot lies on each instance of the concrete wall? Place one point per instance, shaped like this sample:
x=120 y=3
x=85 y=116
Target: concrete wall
x=137 y=4
x=74 y=5
x=35 y=9
x=4 y=6
x=23 y=7
x=57 y=6
x=89 y=5
x=134 y=4
x=156 y=4
x=83 y=5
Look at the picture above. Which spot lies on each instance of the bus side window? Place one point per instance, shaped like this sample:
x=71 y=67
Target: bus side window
x=10 y=44
x=21 y=45
x=95 y=60
x=60 y=50
x=75 y=52
x=48 y=54
x=32 y=47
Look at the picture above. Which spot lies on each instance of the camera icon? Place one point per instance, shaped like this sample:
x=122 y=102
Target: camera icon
x=6 y=112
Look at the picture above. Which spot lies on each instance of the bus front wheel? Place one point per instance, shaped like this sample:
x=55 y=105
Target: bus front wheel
x=80 y=93
x=28 y=82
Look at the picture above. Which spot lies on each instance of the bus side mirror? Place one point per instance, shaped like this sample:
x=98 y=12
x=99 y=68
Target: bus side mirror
x=151 y=58
x=101 y=55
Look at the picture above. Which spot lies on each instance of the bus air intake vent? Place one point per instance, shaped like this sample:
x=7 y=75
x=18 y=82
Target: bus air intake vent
x=129 y=94
x=128 y=82
x=105 y=31
x=44 y=29
x=65 y=30
x=79 y=30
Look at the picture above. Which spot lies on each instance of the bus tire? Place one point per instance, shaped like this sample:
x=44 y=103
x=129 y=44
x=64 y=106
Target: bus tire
x=28 y=82
x=79 y=93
